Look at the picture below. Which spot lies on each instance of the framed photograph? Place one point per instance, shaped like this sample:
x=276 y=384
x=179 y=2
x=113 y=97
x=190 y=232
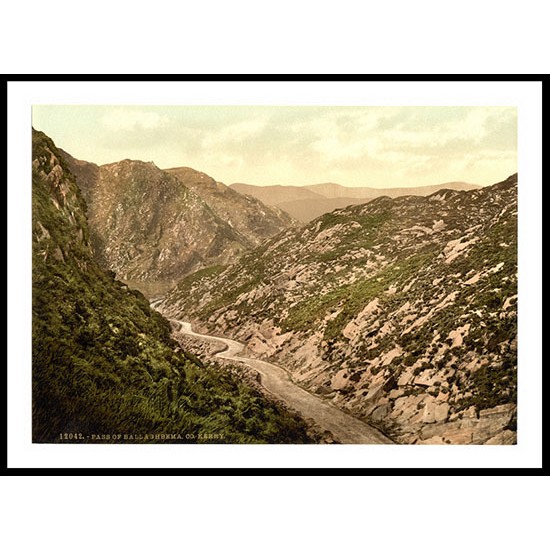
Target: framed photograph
x=248 y=274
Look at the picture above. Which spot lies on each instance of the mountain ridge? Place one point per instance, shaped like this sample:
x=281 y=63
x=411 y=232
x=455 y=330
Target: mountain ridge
x=247 y=215
x=310 y=201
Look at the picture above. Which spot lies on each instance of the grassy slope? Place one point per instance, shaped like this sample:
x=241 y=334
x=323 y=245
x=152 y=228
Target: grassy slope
x=103 y=361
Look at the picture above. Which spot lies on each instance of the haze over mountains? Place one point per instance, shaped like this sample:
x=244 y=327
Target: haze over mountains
x=307 y=202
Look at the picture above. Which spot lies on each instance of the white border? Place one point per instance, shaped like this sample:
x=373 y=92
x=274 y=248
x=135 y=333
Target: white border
x=527 y=96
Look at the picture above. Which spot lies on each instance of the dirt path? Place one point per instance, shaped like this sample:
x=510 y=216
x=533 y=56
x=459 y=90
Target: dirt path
x=345 y=428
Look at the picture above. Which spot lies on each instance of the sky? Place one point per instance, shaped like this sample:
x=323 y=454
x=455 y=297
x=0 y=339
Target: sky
x=296 y=145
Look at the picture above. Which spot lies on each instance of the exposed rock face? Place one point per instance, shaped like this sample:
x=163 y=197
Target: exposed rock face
x=307 y=202
x=401 y=311
x=153 y=227
x=149 y=226
x=251 y=218
x=60 y=231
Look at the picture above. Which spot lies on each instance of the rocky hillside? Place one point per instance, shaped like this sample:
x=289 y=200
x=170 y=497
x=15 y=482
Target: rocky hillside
x=147 y=226
x=248 y=216
x=311 y=201
x=401 y=311
x=104 y=366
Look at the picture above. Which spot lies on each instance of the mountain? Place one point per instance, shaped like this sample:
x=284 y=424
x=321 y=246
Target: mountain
x=274 y=194
x=148 y=227
x=305 y=210
x=401 y=311
x=310 y=201
x=104 y=365
x=252 y=219
x=152 y=226
x=336 y=191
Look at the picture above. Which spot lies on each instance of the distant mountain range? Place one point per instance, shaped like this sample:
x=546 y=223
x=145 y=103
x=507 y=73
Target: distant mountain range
x=307 y=202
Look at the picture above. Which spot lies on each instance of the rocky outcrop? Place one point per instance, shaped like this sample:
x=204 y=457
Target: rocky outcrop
x=248 y=216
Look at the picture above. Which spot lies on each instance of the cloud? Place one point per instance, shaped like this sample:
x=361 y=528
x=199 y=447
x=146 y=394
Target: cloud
x=234 y=134
x=501 y=132
x=129 y=119
x=358 y=145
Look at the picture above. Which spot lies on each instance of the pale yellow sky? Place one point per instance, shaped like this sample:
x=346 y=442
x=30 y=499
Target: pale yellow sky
x=355 y=146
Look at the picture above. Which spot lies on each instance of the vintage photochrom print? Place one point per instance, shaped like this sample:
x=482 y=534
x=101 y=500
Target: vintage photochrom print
x=274 y=274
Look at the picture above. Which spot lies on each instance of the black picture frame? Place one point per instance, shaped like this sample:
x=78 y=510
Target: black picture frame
x=339 y=469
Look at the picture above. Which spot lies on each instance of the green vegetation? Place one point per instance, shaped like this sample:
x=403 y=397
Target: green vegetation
x=104 y=362
x=352 y=298
x=492 y=385
x=362 y=236
x=379 y=214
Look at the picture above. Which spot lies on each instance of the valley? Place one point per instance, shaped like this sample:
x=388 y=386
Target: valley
x=344 y=427
x=355 y=316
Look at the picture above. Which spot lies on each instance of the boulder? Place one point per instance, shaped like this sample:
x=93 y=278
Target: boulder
x=375 y=391
x=441 y=412
x=429 y=377
x=442 y=397
x=340 y=380
x=381 y=412
x=425 y=378
x=435 y=440
x=407 y=407
x=452 y=432
x=405 y=378
x=395 y=394
x=430 y=408
x=507 y=437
